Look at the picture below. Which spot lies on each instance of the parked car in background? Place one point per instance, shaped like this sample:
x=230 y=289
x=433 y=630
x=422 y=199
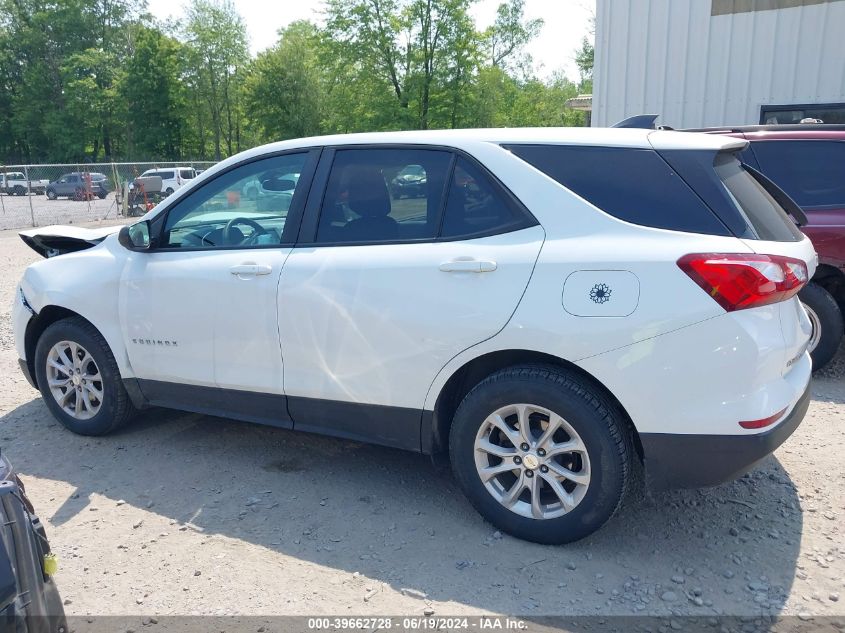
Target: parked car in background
x=16 y=183
x=172 y=177
x=409 y=183
x=29 y=599
x=77 y=183
x=544 y=315
x=808 y=162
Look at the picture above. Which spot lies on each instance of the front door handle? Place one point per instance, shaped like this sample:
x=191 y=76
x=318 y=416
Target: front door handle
x=468 y=266
x=250 y=270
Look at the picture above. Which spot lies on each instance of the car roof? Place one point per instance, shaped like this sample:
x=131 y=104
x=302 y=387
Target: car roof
x=603 y=137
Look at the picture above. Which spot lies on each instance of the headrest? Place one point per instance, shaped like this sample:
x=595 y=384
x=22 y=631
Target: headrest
x=367 y=192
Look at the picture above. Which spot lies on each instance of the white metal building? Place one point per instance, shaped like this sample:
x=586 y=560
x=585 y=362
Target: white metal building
x=719 y=62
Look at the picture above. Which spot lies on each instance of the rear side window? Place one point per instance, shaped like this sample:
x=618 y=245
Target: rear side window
x=383 y=195
x=811 y=172
x=475 y=205
x=187 y=174
x=165 y=175
x=635 y=185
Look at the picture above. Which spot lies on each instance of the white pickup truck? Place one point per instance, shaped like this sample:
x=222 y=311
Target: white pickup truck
x=15 y=182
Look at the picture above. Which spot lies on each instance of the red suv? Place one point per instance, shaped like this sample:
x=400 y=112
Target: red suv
x=808 y=162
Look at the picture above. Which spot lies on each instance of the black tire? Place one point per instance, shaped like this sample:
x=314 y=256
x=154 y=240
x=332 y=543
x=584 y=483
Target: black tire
x=102 y=195
x=828 y=317
x=116 y=408
x=51 y=195
x=169 y=191
x=20 y=191
x=598 y=422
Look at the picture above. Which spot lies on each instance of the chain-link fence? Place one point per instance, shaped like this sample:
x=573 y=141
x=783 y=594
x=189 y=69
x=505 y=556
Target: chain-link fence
x=39 y=195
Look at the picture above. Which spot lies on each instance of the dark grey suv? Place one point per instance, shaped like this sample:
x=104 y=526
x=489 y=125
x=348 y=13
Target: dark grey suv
x=77 y=184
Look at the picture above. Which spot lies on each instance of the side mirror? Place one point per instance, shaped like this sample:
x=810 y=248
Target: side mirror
x=135 y=237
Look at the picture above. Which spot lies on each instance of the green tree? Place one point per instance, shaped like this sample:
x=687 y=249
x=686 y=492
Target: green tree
x=217 y=54
x=403 y=44
x=153 y=97
x=509 y=34
x=283 y=91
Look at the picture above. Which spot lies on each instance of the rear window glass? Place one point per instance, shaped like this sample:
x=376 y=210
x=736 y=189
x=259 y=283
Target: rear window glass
x=811 y=172
x=762 y=212
x=635 y=185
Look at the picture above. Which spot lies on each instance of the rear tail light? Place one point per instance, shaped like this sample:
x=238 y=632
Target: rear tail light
x=740 y=281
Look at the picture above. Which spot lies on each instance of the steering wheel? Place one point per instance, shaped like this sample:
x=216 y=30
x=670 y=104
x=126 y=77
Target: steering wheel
x=228 y=234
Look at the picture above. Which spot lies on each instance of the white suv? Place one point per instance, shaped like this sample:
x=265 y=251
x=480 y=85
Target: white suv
x=553 y=306
x=172 y=177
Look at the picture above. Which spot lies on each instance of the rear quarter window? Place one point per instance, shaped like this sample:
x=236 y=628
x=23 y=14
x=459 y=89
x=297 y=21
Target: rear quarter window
x=635 y=185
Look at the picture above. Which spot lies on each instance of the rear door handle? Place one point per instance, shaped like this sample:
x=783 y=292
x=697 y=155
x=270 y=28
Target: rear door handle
x=249 y=269
x=468 y=266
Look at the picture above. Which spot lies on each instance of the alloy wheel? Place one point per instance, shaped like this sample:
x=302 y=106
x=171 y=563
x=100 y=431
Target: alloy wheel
x=74 y=380
x=532 y=461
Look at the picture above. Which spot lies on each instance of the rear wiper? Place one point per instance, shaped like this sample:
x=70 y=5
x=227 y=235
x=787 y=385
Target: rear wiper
x=781 y=197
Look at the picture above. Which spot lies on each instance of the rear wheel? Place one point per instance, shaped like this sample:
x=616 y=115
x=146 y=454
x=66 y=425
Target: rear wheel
x=20 y=191
x=541 y=454
x=79 y=379
x=826 y=320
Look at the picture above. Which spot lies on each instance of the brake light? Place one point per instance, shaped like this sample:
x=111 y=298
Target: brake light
x=739 y=281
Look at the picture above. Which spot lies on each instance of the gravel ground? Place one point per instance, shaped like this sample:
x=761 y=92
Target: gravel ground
x=15 y=212
x=187 y=514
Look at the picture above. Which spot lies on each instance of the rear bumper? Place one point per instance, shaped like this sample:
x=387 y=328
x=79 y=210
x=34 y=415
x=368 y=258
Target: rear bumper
x=695 y=461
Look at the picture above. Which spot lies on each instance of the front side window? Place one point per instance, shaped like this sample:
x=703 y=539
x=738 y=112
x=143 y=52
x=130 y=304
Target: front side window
x=811 y=172
x=219 y=215
x=383 y=195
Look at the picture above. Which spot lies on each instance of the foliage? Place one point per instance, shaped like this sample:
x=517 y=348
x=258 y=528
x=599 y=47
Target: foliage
x=101 y=79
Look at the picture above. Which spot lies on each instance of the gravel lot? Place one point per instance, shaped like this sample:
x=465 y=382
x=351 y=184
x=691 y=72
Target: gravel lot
x=187 y=514
x=15 y=212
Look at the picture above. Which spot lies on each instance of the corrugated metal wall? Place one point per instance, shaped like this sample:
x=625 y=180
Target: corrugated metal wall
x=673 y=58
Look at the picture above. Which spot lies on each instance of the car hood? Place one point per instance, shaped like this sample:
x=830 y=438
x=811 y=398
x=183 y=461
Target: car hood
x=50 y=241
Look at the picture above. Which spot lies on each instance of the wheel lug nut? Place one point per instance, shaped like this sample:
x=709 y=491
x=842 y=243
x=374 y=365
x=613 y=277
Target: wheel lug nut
x=517 y=460
x=529 y=473
x=544 y=469
x=541 y=452
x=524 y=446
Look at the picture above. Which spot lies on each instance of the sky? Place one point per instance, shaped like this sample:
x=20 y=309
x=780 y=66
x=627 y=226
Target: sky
x=566 y=23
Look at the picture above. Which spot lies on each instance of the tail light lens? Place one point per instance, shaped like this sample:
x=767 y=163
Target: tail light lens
x=740 y=281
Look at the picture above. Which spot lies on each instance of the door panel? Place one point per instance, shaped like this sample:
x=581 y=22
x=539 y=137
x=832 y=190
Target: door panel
x=201 y=308
x=374 y=324
x=188 y=319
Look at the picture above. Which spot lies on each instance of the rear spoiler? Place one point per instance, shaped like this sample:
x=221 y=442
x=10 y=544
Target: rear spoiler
x=639 y=121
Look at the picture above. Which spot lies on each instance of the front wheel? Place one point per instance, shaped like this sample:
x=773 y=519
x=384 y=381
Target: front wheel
x=541 y=453
x=826 y=321
x=79 y=378
x=51 y=194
